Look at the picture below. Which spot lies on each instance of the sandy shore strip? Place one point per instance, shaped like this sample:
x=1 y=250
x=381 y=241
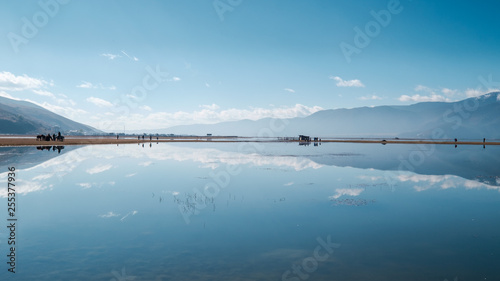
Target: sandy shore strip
x=93 y=140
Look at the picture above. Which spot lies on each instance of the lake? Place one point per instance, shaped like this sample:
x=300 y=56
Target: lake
x=253 y=211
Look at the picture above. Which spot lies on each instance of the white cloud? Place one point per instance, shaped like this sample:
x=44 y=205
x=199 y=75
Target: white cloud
x=88 y=85
x=207 y=85
x=145 y=164
x=288 y=184
x=66 y=111
x=212 y=106
x=109 y=215
x=155 y=120
x=373 y=97
x=422 y=88
x=99 y=169
x=449 y=92
x=470 y=93
x=11 y=82
x=289 y=90
x=111 y=56
x=419 y=98
x=346 y=191
x=130 y=57
x=175 y=78
x=5 y=95
x=99 y=102
x=44 y=93
x=145 y=107
x=347 y=83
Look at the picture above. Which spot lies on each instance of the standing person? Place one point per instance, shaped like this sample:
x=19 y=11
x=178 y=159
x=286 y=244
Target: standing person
x=116 y=136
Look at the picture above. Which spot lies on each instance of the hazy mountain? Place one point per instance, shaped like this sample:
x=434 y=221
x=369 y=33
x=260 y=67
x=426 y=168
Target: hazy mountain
x=22 y=117
x=474 y=118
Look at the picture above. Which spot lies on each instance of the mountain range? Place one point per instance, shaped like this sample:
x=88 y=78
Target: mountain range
x=472 y=118
x=22 y=117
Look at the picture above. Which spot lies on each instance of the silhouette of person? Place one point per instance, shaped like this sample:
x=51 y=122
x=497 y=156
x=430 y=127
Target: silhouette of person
x=54 y=137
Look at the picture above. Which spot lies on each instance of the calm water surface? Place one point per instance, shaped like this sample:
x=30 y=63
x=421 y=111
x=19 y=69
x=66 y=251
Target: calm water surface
x=267 y=211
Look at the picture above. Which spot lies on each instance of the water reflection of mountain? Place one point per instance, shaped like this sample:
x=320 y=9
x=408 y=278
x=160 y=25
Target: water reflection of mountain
x=472 y=163
x=27 y=156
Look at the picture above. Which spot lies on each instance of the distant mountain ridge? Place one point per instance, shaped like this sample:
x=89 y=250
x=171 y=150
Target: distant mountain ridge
x=22 y=117
x=472 y=118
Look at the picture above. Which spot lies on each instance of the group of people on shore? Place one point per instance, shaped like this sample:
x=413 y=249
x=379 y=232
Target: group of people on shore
x=48 y=137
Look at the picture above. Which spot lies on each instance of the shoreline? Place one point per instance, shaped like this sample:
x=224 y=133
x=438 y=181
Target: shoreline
x=12 y=141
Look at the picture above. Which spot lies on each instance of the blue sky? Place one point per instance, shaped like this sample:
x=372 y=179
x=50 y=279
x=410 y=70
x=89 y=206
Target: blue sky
x=222 y=60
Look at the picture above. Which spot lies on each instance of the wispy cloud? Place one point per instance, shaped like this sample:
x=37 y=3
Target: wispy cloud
x=11 y=82
x=372 y=97
x=111 y=56
x=347 y=83
x=430 y=96
x=99 y=102
x=288 y=184
x=130 y=57
x=419 y=98
x=89 y=85
x=99 y=169
x=44 y=93
x=145 y=107
x=289 y=90
x=212 y=106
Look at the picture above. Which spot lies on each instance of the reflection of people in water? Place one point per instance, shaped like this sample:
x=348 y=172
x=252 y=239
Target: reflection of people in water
x=53 y=148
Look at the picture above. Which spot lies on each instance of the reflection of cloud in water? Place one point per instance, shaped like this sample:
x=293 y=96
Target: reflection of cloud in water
x=109 y=215
x=371 y=178
x=346 y=191
x=425 y=182
x=99 y=169
x=25 y=187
